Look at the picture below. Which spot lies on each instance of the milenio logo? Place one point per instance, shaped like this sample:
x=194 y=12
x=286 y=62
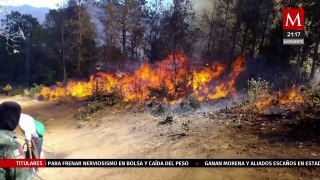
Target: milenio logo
x=293 y=26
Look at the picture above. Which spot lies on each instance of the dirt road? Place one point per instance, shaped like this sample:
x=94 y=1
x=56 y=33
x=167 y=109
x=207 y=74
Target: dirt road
x=121 y=133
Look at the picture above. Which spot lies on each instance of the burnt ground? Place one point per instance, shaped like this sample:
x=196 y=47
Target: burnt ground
x=276 y=135
x=125 y=132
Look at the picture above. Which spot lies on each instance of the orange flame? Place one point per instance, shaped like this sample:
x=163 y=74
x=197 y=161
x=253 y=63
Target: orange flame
x=172 y=72
x=283 y=98
x=225 y=88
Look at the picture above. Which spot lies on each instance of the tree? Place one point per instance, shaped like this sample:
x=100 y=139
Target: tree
x=81 y=34
x=154 y=44
x=72 y=38
x=55 y=26
x=312 y=15
x=209 y=24
x=29 y=25
x=123 y=27
x=12 y=38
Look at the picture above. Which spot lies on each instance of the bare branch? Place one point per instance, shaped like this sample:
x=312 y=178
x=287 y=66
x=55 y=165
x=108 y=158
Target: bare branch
x=12 y=39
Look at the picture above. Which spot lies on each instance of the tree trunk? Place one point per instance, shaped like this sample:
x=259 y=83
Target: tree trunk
x=252 y=45
x=212 y=25
x=244 y=40
x=28 y=53
x=209 y=38
x=265 y=28
x=80 y=39
x=175 y=62
x=234 y=42
x=315 y=58
x=62 y=53
x=300 y=63
x=262 y=42
x=224 y=28
x=124 y=39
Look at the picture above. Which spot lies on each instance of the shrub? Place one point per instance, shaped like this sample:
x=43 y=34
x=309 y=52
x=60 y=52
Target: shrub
x=185 y=127
x=311 y=107
x=181 y=88
x=161 y=109
x=189 y=104
x=258 y=89
x=98 y=102
x=111 y=98
x=18 y=91
x=87 y=111
x=312 y=95
x=160 y=92
x=36 y=89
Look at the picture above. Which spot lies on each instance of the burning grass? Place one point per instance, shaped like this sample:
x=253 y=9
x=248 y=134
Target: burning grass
x=290 y=99
x=170 y=80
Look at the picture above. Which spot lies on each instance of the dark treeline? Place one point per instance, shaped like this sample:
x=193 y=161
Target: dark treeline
x=123 y=32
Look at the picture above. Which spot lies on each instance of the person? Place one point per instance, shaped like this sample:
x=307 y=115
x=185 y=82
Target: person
x=9 y=146
x=33 y=130
x=7 y=89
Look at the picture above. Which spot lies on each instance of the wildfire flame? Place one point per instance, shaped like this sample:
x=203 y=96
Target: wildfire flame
x=172 y=72
x=292 y=96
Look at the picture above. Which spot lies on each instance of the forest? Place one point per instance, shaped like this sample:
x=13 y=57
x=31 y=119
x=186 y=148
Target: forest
x=123 y=34
x=165 y=78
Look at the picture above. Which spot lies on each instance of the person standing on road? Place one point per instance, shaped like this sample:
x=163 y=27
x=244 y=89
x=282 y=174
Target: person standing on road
x=33 y=130
x=9 y=146
x=7 y=89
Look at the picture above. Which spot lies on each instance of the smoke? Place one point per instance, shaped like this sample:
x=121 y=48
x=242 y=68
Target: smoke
x=316 y=79
x=200 y=5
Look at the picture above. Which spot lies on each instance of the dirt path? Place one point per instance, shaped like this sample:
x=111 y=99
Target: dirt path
x=125 y=134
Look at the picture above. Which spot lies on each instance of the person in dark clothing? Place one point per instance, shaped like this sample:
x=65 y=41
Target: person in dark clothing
x=9 y=115
x=9 y=146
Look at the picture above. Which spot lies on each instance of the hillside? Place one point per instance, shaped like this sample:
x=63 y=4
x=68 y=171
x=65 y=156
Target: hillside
x=39 y=13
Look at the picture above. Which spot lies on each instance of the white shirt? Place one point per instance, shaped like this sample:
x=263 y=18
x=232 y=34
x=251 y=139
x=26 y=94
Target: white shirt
x=27 y=125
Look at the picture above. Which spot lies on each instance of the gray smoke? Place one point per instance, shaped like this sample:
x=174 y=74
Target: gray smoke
x=316 y=79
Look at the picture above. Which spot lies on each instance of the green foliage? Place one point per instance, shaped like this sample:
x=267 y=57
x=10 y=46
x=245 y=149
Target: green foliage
x=36 y=89
x=311 y=107
x=189 y=104
x=160 y=109
x=65 y=45
x=87 y=111
x=313 y=96
x=258 y=89
x=111 y=98
x=193 y=102
x=99 y=102
x=18 y=91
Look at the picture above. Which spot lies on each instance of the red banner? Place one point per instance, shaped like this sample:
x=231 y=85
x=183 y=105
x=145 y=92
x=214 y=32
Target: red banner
x=156 y=163
x=22 y=163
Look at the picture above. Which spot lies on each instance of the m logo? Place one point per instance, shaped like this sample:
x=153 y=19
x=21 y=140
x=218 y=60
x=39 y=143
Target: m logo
x=293 y=19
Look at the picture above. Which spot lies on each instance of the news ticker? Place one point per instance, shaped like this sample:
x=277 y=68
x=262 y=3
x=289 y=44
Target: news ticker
x=156 y=163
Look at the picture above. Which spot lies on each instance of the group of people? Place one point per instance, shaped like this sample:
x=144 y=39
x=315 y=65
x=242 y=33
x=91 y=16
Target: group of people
x=10 y=118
